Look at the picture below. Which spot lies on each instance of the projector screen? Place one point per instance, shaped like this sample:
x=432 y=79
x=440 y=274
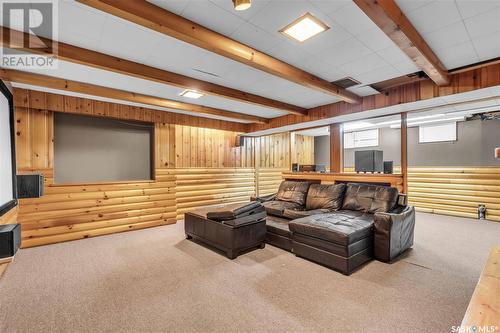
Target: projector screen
x=7 y=155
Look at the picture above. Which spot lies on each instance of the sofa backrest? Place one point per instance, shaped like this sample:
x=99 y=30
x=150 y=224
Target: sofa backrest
x=370 y=198
x=292 y=191
x=325 y=196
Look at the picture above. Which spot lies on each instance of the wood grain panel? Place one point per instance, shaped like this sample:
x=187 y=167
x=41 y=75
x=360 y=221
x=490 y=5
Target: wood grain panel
x=456 y=191
x=31 y=99
x=478 y=78
x=304 y=150
x=10 y=217
x=269 y=180
x=274 y=151
x=198 y=187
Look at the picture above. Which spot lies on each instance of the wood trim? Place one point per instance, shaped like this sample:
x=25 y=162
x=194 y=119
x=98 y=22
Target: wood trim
x=41 y=102
x=94 y=90
x=484 y=306
x=98 y=60
x=484 y=77
x=389 y=17
x=336 y=148
x=404 y=150
x=170 y=24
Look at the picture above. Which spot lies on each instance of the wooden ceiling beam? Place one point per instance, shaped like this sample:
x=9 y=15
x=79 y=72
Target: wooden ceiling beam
x=94 y=59
x=95 y=90
x=388 y=16
x=170 y=24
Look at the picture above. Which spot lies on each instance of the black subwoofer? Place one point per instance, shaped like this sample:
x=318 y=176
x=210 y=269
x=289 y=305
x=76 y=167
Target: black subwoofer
x=29 y=186
x=369 y=161
x=10 y=239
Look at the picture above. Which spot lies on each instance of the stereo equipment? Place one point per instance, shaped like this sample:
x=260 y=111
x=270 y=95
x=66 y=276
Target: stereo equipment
x=10 y=239
x=307 y=168
x=29 y=186
x=388 y=167
x=295 y=167
x=369 y=161
x=320 y=168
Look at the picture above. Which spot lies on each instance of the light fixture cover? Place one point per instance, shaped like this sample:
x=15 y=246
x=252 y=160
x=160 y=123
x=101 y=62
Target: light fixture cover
x=242 y=4
x=304 y=28
x=191 y=94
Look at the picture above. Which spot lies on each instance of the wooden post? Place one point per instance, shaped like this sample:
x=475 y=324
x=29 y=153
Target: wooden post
x=404 y=151
x=336 y=163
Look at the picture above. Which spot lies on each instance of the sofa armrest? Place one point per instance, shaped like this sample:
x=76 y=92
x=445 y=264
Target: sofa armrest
x=393 y=232
x=264 y=198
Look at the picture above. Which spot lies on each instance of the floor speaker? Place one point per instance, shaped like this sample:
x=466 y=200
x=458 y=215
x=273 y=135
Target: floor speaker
x=369 y=161
x=10 y=239
x=388 y=167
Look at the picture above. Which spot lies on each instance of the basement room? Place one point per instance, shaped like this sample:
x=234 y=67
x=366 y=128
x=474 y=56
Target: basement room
x=250 y=166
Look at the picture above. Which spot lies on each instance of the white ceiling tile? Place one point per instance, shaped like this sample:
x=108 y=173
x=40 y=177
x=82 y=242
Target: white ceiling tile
x=483 y=24
x=333 y=36
x=365 y=64
x=375 y=39
x=255 y=37
x=328 y=6
x=344 y=52
x=211 y=16
x=78 y=21
x=377 y=75
x=450 y=35
x=469 y=8
x=363 y=90
x=458 y=55
x=434 y=16
x=406 y=67
x=176 y=6
x=488 y=46
x=410 y=5
x=352 y=18
x=332 y=73
x=393 y=54
x=289 y=53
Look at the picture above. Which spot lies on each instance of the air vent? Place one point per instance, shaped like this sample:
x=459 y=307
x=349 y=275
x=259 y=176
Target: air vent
x=346 y=82
x=204 y=72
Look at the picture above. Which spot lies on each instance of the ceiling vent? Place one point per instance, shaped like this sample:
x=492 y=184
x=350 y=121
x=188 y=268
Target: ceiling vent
x=346 y=82
x=204 y=72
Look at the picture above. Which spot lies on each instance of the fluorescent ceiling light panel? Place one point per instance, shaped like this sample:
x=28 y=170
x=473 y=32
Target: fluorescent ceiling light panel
x=191 y=94
x=304 y=28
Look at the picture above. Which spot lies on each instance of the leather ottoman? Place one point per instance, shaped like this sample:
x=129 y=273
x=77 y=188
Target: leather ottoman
x=232 y=228
x=342 y=240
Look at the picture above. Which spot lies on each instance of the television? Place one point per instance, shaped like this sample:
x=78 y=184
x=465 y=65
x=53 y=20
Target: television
x=8 y=188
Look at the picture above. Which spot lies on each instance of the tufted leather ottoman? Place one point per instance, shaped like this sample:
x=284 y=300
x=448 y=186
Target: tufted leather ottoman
x=232 y=228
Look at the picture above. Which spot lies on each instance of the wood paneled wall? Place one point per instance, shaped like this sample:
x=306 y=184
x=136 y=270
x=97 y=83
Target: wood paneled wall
x=9 y=217
x=484 y=77
x=273 y=151
x=303 y=152
x=455 y=191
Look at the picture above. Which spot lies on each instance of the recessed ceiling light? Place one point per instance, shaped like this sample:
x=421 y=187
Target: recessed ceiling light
x=304 y=28
x=242 y=4
x=191 y=94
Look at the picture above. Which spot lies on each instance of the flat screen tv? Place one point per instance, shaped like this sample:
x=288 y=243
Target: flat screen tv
x=8 y=191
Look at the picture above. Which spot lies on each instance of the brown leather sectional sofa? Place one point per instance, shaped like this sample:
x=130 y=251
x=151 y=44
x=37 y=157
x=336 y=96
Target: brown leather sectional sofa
x=340 y=226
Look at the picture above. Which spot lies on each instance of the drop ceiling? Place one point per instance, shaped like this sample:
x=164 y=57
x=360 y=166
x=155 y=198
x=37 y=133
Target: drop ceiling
x=353 y=46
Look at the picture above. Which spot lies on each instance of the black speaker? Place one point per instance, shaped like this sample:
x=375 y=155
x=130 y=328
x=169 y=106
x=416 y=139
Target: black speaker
x=10 y=239
x=320 y=168
x=369 y=161
x=388 y=167
x=240 y=141
x=295 y=167
x=29 y=186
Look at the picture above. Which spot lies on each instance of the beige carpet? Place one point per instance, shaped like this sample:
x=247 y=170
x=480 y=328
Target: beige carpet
x=155 y=280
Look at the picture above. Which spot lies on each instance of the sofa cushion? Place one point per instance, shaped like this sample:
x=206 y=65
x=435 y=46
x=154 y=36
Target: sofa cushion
x=370 y=198
x=234 y=211
x=328 y=197
x=341 y=227
x=279 y=226
x=277 y=207
x=293 y=214
x=292 y=191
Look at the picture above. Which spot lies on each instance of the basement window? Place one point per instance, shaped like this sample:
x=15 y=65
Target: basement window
x=361 y=139
x=444 y=132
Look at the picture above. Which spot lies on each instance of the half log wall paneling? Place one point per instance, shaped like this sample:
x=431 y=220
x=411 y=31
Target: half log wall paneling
x=10 y=217
x=455 y=191
x=197 y=187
